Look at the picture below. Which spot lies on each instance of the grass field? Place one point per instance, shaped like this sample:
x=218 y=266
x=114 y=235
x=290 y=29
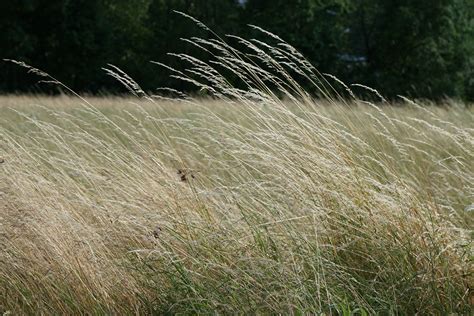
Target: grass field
x=259 y=200
x=124 y=205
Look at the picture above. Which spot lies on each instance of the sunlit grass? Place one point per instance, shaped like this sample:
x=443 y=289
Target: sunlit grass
x=287 y=210
x=258 y=199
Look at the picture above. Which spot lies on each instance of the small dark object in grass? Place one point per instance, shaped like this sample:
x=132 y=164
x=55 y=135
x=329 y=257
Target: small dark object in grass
x=2 y=160
x=157 y=232
x=185 y=174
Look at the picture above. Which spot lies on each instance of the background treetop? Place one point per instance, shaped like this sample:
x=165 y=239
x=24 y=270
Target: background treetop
x=414 y=48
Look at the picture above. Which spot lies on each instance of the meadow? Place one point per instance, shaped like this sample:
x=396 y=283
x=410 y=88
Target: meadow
x=243 y=202
x=138 y=206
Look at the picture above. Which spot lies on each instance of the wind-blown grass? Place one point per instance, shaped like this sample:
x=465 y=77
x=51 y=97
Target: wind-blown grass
x=241 y=204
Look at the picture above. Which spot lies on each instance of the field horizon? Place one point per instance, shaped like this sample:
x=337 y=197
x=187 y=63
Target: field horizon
x=284 y=191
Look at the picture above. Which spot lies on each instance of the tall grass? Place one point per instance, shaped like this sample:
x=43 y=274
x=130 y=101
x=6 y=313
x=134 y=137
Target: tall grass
x=260 y=199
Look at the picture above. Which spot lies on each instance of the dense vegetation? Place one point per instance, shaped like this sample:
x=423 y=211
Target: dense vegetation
x=244 y=204
x=415 y=48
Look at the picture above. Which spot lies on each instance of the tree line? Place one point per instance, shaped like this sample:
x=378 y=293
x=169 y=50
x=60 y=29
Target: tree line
x=416 y=48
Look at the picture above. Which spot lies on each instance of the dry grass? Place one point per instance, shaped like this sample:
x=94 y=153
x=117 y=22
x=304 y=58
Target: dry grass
x=244 y=203
x=287 y=210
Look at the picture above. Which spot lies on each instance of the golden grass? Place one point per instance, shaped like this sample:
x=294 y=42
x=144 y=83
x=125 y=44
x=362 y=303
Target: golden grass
x=242 y=203
x=309 y=207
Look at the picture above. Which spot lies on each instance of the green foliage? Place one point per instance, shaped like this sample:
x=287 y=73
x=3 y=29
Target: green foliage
x=167 y=28
x=414 y=48
x=403 y=47
x=315 y=27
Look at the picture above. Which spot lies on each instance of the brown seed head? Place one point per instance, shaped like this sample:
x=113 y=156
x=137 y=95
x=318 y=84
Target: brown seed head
x=157 y=232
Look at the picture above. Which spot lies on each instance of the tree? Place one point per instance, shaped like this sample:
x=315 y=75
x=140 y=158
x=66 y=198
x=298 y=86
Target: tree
x=411 y=47
x=314 y=27
x=167 y=27
x=408 y=47
x=27 y=35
